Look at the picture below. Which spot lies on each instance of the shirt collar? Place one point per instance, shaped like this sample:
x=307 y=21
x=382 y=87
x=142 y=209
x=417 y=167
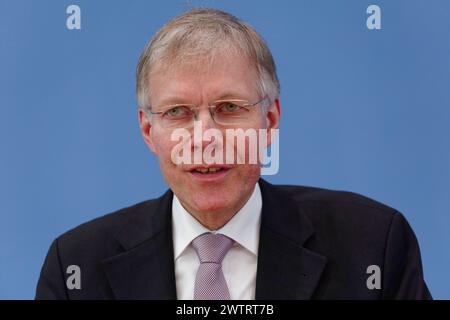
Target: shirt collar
x=243 y=228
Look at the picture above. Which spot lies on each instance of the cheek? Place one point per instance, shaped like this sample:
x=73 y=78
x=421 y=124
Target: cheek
x=160 y=140
x=249 y=153
x=243 y=181
x=163 y=147
x=246 y=174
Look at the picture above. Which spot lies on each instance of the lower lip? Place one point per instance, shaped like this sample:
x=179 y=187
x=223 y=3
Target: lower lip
x=210 y=177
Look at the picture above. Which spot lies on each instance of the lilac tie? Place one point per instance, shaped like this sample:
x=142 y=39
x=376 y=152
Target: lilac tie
x=210 y=283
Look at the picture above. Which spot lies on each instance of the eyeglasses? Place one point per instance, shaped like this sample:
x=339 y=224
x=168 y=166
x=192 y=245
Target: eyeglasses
x=223 y=112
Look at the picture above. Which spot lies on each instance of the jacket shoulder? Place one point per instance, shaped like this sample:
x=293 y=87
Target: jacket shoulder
x=342 y=216
x=100 y=232
x=337 y=201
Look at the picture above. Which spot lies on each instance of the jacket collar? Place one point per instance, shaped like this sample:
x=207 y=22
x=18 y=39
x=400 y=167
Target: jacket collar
x=145 y=270
x=286 y=269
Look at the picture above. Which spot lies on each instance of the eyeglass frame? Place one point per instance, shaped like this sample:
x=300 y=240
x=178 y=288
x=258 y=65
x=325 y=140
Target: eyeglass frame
x=212 y=107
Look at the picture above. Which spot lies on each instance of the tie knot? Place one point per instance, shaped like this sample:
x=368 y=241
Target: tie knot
x=212 y=247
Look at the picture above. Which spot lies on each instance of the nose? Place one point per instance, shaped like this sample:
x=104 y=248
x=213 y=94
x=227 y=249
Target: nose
x=205 y=119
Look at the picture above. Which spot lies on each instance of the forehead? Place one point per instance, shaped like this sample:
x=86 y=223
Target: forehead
x=201 y=80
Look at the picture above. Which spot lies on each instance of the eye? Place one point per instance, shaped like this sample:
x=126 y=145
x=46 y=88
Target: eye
x=228 y=107
x=177 y=112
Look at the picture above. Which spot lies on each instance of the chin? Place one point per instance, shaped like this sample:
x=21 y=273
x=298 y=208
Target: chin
x=210 y=203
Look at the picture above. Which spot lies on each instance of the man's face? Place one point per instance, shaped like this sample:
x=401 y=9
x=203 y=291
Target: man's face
x=200 y=84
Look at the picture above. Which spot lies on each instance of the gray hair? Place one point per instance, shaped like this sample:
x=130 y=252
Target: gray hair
x=201 y=33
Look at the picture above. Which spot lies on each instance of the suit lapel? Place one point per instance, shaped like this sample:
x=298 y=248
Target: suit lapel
x=286 y=269
x=145 y=270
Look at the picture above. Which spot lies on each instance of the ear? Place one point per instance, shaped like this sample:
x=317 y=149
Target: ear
x=146 y=130
x=272 y=119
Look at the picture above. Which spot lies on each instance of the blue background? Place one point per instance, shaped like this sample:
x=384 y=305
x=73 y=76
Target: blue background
x=363 y=111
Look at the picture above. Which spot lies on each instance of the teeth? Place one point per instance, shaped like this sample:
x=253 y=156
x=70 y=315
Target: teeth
x=207 y=170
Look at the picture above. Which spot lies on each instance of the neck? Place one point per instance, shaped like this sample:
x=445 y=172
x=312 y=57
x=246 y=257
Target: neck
x=213 y=221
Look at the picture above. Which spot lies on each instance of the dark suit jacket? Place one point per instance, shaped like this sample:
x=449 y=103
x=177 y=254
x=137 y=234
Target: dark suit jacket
x=314 y=244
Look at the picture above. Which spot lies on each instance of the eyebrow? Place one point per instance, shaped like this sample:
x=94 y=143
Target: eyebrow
x=175 y=100
x=230 y=95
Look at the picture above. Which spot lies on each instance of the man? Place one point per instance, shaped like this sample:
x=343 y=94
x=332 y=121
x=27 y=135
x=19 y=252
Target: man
x=221 y=232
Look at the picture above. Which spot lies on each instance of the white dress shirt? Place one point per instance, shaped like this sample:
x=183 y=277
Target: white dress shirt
x=239 y=265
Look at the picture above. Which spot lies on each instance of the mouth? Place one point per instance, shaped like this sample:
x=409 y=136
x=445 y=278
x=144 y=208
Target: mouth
x=207 y=170
x=213 y=173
